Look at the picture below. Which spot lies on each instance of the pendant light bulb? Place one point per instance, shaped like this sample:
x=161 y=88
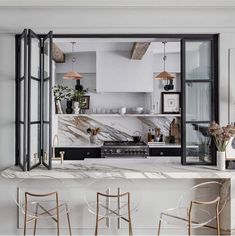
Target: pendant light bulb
x=73 y=75
x=164 y=75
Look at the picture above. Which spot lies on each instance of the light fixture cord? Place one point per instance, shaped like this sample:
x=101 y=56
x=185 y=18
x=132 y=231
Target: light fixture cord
x=164 y=57
x=73 y=58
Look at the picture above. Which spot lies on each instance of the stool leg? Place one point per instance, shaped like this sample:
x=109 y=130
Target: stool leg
x=25 y=213
x=159 y=225
x=129 y=215
x=217 y=220
x=68 y=218
x=97 y=214
x=35 y=221
x=57 y=213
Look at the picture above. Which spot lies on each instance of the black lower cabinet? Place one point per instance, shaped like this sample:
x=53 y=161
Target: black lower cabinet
x=79 y=153
x=165 y=151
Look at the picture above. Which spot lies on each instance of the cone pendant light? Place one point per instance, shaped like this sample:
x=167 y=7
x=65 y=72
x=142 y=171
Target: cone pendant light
x=164 y=75
x=73 y=75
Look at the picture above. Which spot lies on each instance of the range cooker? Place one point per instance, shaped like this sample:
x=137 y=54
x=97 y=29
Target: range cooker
x=124 y=149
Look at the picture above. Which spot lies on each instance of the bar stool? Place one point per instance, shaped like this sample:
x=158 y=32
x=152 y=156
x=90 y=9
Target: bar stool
x=115 y=198
x=115 y=211
x=42 y=197
x=197 y=207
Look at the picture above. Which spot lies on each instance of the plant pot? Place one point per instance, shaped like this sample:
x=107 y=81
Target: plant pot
x=58 y=107
x=69 y=109
x=221 y=160
x=93 y=139
x=76 y=108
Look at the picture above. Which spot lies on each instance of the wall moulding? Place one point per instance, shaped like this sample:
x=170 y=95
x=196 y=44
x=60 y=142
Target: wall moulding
x=120 y=3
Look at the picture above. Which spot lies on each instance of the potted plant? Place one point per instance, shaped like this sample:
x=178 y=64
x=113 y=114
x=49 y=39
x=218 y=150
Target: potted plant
x=68 y=97
x=60 y=92
x=221 y=137
x=77 y=98
x=93 y=134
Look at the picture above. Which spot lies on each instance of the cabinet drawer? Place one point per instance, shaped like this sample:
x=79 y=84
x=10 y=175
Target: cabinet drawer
x=165 y=151
x=79 y=153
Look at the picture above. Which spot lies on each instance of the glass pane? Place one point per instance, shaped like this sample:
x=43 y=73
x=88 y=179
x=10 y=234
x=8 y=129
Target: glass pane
x=198 y=60
x=35 y=100
x=46 y=101
x=22 y=143
x=22 y=100
x=35 y=144
x=198 y=101
x=46 y=144
x=46 y=58
x=22 y=57
x=198 y=143
x=35 y=58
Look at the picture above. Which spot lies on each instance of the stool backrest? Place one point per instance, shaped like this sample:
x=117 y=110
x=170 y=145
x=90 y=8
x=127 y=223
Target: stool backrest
x=205 y=196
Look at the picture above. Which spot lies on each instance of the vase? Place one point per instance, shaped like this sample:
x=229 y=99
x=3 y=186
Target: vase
x=76 y=108
x=69 y=109
x=58 y=107
x=221 y=160
x=93 y=139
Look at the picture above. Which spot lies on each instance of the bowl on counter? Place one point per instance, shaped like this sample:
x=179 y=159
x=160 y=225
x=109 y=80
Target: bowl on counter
x=137 y=110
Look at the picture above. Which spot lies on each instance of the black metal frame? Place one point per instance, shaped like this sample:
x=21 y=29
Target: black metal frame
x=162 y=102
x=215 y=91
x=28 y=35
x=214 y=94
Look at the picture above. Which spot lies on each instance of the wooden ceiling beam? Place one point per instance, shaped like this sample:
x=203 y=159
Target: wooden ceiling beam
x=138 y=50
x=57 y=55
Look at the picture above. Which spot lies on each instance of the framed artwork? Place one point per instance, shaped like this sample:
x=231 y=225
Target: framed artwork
x=85 y=102
x=170 y=102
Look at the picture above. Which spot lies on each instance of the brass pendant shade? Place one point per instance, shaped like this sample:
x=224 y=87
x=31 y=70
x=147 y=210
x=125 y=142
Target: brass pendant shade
x=72 y=75
x=164 y=75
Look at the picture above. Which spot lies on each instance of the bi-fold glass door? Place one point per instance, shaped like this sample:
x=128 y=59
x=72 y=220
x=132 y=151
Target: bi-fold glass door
x=33 y=97
x=199 y=99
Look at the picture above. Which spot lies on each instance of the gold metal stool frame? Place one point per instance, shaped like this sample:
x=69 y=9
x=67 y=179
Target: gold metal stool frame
x=215 y=202
x=45 y=211
x=115 y=212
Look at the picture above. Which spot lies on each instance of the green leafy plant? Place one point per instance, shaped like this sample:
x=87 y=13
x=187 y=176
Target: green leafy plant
x=62 y=92
x=77 y=96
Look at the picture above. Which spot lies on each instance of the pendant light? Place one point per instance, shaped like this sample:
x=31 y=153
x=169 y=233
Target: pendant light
x=73 y=75
x=164 y=75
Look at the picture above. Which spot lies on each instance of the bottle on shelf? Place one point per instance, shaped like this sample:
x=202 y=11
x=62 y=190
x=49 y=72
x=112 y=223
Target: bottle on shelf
x=149 y=136
x=152 y=135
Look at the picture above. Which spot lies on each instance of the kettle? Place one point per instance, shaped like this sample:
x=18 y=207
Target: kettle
x=136 y=138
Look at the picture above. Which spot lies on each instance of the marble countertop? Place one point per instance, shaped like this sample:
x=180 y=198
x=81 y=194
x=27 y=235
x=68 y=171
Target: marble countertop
x=150 y=168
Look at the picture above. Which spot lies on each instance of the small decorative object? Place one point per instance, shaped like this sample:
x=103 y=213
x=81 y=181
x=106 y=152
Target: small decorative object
x=171 y=102
x=221 y=137
x=60 y=93
x=69 y=109
x=93 y=134
x=85 y=102
x=76 y=108
x=79 y=101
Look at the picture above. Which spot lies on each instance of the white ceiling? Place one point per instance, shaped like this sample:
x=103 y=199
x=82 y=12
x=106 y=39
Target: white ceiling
x=116 y=45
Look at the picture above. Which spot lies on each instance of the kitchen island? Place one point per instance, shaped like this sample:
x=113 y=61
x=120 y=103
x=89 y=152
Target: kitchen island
x=160 y=183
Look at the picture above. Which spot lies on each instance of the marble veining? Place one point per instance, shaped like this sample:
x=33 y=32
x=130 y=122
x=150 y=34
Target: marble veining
x=73 y=129
x=160 y=168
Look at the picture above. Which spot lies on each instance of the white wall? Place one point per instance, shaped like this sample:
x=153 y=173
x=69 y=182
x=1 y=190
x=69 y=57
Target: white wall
x=7 y=100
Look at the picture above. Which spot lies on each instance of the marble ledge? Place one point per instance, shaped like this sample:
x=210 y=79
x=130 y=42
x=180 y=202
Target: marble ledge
x=150 y=168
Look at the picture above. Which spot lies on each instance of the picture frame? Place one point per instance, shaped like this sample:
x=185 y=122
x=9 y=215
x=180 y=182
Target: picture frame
x=170 y=102
x=85 y=102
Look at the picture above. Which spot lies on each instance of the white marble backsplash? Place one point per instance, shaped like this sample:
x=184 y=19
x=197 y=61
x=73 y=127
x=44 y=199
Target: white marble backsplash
x=72 y=130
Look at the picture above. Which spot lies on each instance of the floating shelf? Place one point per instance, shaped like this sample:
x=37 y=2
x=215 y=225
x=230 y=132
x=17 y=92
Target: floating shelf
x=126 y=115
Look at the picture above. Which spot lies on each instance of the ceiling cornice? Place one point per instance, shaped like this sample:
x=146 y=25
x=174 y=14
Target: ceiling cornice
x=120 y=3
